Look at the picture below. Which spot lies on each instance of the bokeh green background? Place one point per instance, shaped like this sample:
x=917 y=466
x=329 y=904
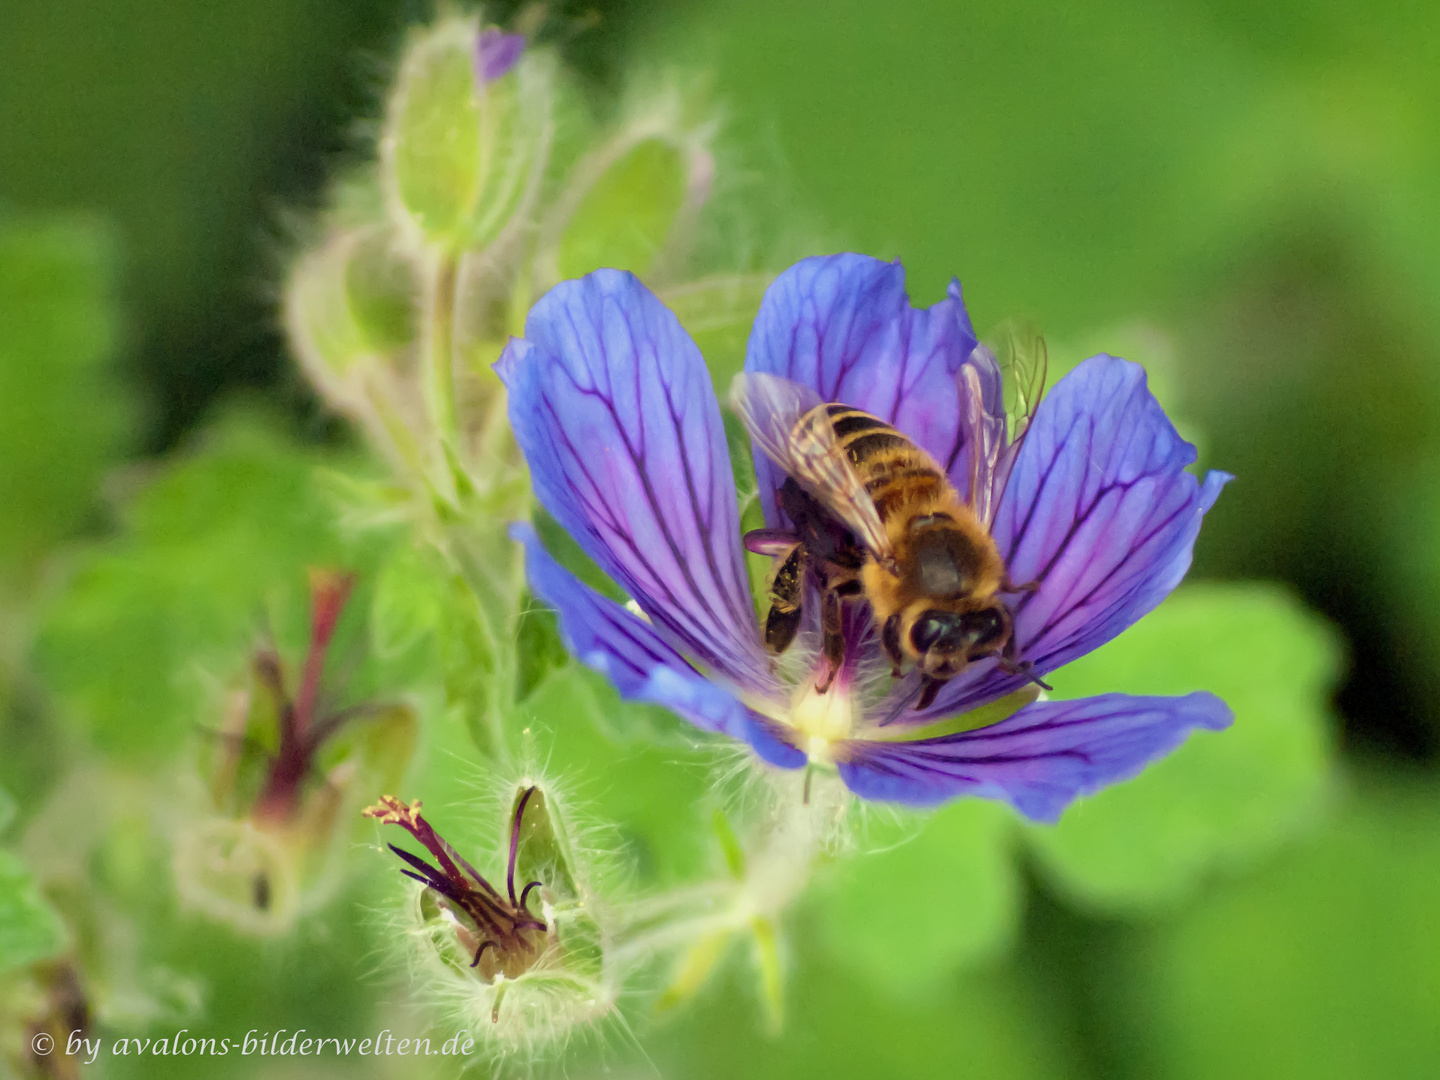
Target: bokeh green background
x=1246 y=197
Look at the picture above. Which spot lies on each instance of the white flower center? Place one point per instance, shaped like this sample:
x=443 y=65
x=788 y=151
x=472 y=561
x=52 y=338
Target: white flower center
x=823 y=719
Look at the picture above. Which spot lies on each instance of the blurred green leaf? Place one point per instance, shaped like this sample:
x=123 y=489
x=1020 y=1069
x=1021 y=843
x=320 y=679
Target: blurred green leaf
x=625 y=217
x=1327 y=965
x=934 y=896
x=718 y=312
x=840 y=1024
x=154 y=621
x=1223 y=798
x=30 y=929
x=7 y=809
x=410 y=596
x=538 y=648
x=62 y=416
x=633 y=760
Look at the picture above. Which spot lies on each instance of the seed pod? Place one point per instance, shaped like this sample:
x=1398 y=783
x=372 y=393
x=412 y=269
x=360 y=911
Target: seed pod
x=521 y=963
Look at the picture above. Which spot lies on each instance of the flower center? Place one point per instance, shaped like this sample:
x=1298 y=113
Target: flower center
x=822 y=718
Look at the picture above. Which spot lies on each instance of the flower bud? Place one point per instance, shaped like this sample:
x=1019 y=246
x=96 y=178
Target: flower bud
x=631 y=203
x=466 y=136
x=349 y=306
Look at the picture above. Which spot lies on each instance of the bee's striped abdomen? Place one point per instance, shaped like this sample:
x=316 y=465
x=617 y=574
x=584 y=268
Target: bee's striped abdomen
x=895 y=471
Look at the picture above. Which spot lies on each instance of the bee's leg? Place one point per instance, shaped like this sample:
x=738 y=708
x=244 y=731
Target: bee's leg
x=890 y=640
x=786 y=592
x=929 y=687
x=1009 y=586
x=832 y=644
x=1011 y=664
x=774 y=542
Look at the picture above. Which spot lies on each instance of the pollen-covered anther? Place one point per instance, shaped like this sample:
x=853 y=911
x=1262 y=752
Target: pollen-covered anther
x=391 y=811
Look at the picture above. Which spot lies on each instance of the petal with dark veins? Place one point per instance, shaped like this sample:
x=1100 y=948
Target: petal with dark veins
x=843 y=326
x=1038 y=760
x=1101 y=511
x=604 y=636
x=612 y=406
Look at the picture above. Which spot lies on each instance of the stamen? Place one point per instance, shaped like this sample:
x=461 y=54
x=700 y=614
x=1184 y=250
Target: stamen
x=487 y=944
x=525 y=894
x=515 y=843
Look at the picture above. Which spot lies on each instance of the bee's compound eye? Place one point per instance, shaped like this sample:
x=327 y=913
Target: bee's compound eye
x=983 y=629
x=932 y=628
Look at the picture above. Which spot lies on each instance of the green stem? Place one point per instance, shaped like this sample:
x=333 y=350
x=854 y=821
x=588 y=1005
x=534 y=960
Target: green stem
x=440 y=345
x=491 y=566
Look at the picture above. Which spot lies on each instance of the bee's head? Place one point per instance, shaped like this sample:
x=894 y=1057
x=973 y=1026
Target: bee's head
x=945 y=642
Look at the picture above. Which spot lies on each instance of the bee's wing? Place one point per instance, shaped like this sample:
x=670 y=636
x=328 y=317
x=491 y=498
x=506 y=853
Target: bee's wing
x=771 y=409
x=984 y=431
x=1023 y=359
x=1017 y=380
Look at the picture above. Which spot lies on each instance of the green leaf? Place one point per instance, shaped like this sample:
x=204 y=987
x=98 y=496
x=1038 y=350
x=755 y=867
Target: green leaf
x=7 y=809
x=62 y=416
x=627 y=214
x=1224 y=798
x=633 y=762
x=213 y=555
x=1325 y=965
x=538 y=648
x=30 y=929
x=410 y=597
x=937 y=894
x=992 y=1024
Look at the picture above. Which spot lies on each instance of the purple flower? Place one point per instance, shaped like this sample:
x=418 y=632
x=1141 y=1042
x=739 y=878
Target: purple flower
x=613 y=407
x=496 y=53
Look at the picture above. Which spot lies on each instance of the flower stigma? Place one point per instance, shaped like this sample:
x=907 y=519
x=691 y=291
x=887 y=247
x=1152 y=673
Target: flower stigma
x=823 y=718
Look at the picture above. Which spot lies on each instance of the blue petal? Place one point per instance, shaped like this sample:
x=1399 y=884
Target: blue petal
x=843 y=326
x=1037 y=760
x=604 y=636
x=767 y=739
x=1100 y=510
x=613 y=408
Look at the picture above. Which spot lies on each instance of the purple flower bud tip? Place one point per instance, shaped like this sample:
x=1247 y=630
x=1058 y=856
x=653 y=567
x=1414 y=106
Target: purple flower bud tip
x=496 y=53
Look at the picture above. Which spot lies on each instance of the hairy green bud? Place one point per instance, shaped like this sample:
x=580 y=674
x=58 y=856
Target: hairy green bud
x=462 y=153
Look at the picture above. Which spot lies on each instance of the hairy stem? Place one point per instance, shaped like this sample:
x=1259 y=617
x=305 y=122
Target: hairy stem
x=439 y=345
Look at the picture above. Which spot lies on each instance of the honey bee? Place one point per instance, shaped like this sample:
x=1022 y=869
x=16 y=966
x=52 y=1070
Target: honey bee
x=874 y=516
